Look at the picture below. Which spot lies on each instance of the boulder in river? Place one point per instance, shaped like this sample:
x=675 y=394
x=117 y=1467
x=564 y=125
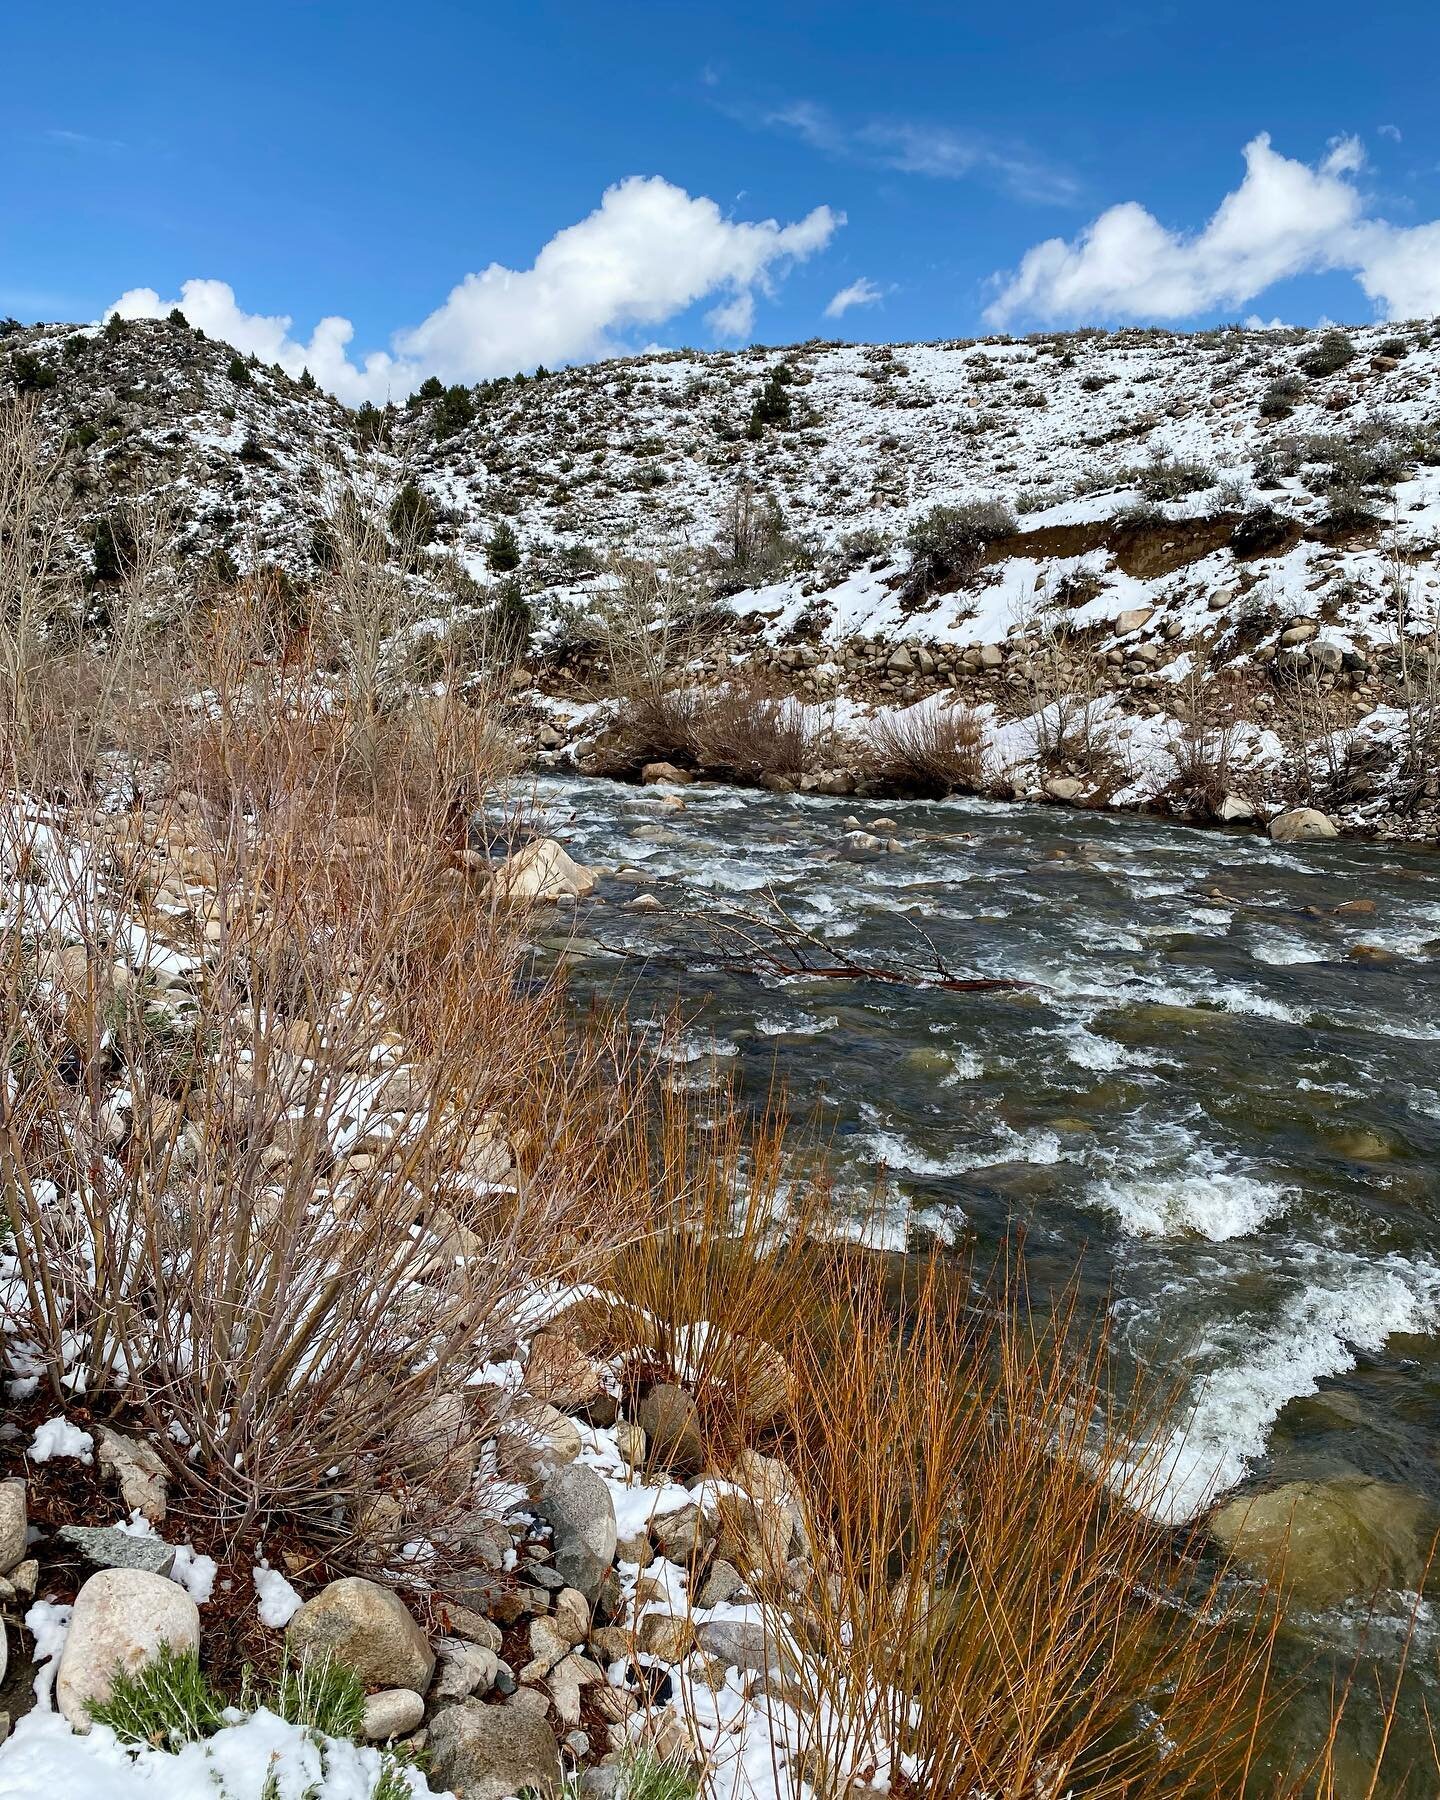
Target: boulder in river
x=1302 y=824
x=541 y=871
x=1339 y=1539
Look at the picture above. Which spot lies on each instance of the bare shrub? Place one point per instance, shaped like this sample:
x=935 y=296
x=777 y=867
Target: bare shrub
x=1209 y=712
x=752 y=546
x=937 y=748
x=356 y=1137
x=744 y=729
x=987 y=1610
x=1068 y=706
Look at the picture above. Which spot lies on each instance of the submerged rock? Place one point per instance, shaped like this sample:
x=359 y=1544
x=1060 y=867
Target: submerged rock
x=1339 y=1539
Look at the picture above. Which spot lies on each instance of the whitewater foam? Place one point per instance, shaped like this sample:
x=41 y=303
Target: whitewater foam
x=1318 y=1334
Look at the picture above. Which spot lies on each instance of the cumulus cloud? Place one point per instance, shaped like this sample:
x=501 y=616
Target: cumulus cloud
x=859 y=293
x=1286 y=218
x=647 y=253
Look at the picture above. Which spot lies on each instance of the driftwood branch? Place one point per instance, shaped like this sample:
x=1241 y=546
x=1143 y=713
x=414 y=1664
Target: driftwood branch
x=749 y=940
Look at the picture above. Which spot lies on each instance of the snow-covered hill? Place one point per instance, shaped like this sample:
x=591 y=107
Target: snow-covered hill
x=1180 y=505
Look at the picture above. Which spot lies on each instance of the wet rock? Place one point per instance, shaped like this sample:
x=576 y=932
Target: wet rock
x=110 y=1548
x=1341 y=1538
x=542 y=871
x=582 y=1515
x=1303 y=824
x=122 y=1619
x=492 y=1752
x=366 y=1627
x=1353 y=909
x=392 y=1713
x=656 y=772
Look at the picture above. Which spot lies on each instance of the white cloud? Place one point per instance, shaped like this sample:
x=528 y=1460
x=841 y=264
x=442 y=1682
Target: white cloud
x=920 y=147
x=1393 y=132
x=1285 y=219
x=648 y=252
x=859 y=293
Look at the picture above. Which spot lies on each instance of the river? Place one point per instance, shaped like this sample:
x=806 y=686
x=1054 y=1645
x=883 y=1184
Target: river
x=1218 y=1096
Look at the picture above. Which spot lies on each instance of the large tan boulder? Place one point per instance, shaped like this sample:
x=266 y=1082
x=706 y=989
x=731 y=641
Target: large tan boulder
x=1338 y=1539
x=122 y=1620
x=1302 y=824
x=541 y=871
x=366 y=1627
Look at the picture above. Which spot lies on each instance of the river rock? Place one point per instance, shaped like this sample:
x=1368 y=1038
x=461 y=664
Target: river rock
x=121 y=1620
x=541 y=871
x=1303 y=824
x=1134 y=618
x=582 y=1515
x=14 y=1521
x=1064 y=787
x=110 y=1548
x=670 y=1420
x=739 y=1644
x=138 y=1468
x=654 y=773
x=366 y=1627
x=1339 y=1539
x=1234 y=809
x=392 y=1713
x=492 y=1752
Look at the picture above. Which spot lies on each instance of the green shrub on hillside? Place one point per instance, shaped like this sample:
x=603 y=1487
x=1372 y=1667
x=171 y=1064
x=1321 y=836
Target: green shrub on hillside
x=412 y=518
x=502 y=548
x=452 y=412
x=948 y=541
x=1331 y=354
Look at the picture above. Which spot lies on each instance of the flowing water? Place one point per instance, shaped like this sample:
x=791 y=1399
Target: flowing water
x=1218 y=1096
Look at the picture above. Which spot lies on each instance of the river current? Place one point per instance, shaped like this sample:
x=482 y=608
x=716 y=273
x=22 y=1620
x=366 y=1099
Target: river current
x=1218 y=1095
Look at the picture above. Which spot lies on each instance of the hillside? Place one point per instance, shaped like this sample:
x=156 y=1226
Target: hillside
x=1170 y=508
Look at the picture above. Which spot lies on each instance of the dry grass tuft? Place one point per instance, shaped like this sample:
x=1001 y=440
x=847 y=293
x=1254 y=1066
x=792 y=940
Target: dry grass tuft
x=933 y=749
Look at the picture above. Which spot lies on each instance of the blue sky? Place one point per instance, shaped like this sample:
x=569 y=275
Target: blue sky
x=1019 y=167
